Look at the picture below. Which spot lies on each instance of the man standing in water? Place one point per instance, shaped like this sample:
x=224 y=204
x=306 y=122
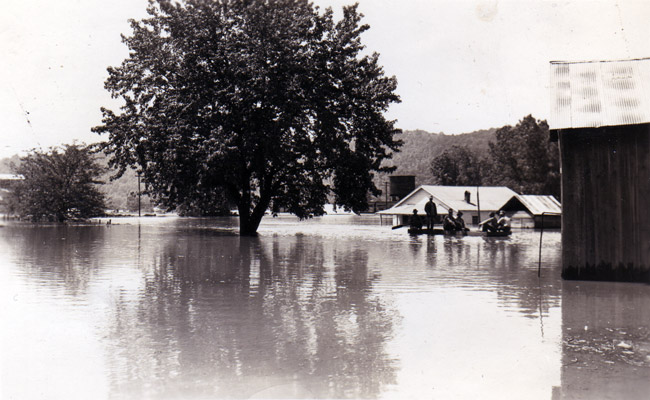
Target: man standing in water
x=432 y=212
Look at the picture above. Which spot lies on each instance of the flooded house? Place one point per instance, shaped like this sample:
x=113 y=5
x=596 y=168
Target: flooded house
x=469 y=199
x=534 y=211
x=600 y=114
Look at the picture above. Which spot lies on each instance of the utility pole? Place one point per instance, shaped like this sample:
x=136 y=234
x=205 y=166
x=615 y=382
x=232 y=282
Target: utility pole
x=139 y=194
x=478 y=204
x=386 y=193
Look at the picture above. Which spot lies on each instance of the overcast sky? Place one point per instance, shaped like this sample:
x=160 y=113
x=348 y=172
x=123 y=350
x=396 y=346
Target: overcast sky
x=461 y=65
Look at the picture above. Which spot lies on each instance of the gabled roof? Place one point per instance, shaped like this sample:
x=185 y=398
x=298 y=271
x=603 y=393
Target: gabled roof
x=592 y=94
x=535 y=204
x=491 y=198
x=406 y=208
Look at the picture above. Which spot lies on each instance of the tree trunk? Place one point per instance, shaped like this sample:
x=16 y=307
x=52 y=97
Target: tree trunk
x=249 y=221
x=248 y=225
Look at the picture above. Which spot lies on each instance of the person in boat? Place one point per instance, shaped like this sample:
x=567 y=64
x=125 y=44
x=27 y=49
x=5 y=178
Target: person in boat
x=503 y=224
x=432 y=212
x=490 y=224
x=416 y=220
x=449 y=222
x=460 y=222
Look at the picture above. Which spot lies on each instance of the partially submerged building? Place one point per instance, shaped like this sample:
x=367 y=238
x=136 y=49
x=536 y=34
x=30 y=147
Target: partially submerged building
x=534 y=211
x=600 y=114
x=468 y=199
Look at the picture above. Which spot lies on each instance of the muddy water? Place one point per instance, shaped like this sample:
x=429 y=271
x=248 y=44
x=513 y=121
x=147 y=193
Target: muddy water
x=341 y=307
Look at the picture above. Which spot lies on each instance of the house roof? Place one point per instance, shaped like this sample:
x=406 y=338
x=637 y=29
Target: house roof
x=10 y=177
x=446 y=197
x=591 y=94
x=535 y=204
x=406 y=209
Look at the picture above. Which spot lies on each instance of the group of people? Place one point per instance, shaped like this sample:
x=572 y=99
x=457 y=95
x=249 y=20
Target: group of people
x=494 y=224
x=449 y=222
x=456 y=223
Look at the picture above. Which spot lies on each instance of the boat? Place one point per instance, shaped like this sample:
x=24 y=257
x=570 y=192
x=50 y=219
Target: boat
x=425 y=231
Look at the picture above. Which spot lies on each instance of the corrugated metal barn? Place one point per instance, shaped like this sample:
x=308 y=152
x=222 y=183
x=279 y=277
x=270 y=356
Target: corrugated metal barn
x=600 y=113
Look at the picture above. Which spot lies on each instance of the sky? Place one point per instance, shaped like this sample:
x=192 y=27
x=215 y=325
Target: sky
x=461 y=65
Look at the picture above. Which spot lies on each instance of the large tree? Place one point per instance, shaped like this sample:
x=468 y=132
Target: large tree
x=524 y=158
x=57 y=185
x=272 y=102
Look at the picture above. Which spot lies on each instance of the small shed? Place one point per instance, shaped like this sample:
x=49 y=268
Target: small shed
x=459 y=198
x=534 y=211
x=600 y=113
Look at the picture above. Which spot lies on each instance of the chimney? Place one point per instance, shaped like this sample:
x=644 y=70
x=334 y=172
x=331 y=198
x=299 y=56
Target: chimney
x=468 y=196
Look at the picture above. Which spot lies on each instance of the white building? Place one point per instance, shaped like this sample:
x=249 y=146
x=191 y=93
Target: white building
x=469 y=199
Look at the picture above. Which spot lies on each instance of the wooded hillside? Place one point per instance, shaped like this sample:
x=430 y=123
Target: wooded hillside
x=421 y=147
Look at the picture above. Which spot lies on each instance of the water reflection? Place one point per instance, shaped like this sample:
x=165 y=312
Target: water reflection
x=223 y=316
x=185 y=308
x=605 y=341
x=58 y=256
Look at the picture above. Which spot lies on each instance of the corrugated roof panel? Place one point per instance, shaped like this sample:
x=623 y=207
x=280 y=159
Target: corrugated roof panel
x=599 y=93
x=538 y=204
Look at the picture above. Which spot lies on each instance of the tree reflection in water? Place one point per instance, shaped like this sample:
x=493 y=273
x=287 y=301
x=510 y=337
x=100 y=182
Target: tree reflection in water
x=62 y=257
x=229 y=316
x=184 y=309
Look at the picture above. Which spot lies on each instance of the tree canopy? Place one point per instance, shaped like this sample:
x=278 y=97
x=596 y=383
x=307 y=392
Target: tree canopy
x=57 y=185
x=273 y=103
x=457 y=166
x=524 y=158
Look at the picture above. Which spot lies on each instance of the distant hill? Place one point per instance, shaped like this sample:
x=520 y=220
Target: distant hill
x=421 y=147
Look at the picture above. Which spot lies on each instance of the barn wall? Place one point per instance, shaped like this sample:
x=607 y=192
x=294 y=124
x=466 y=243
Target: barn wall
x=606 y=203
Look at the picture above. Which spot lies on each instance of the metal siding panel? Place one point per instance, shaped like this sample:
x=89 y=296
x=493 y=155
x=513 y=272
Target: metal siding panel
x=560 y=95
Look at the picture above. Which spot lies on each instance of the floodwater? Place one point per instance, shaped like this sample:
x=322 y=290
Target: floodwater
x=338 y=307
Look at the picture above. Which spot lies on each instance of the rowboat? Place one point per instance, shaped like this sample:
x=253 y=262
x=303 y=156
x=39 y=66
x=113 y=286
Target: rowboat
x=425 y=231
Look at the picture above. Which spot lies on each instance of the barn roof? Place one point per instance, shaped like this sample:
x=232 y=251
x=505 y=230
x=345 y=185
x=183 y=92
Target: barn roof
x=446 y=197
x=591 y=94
